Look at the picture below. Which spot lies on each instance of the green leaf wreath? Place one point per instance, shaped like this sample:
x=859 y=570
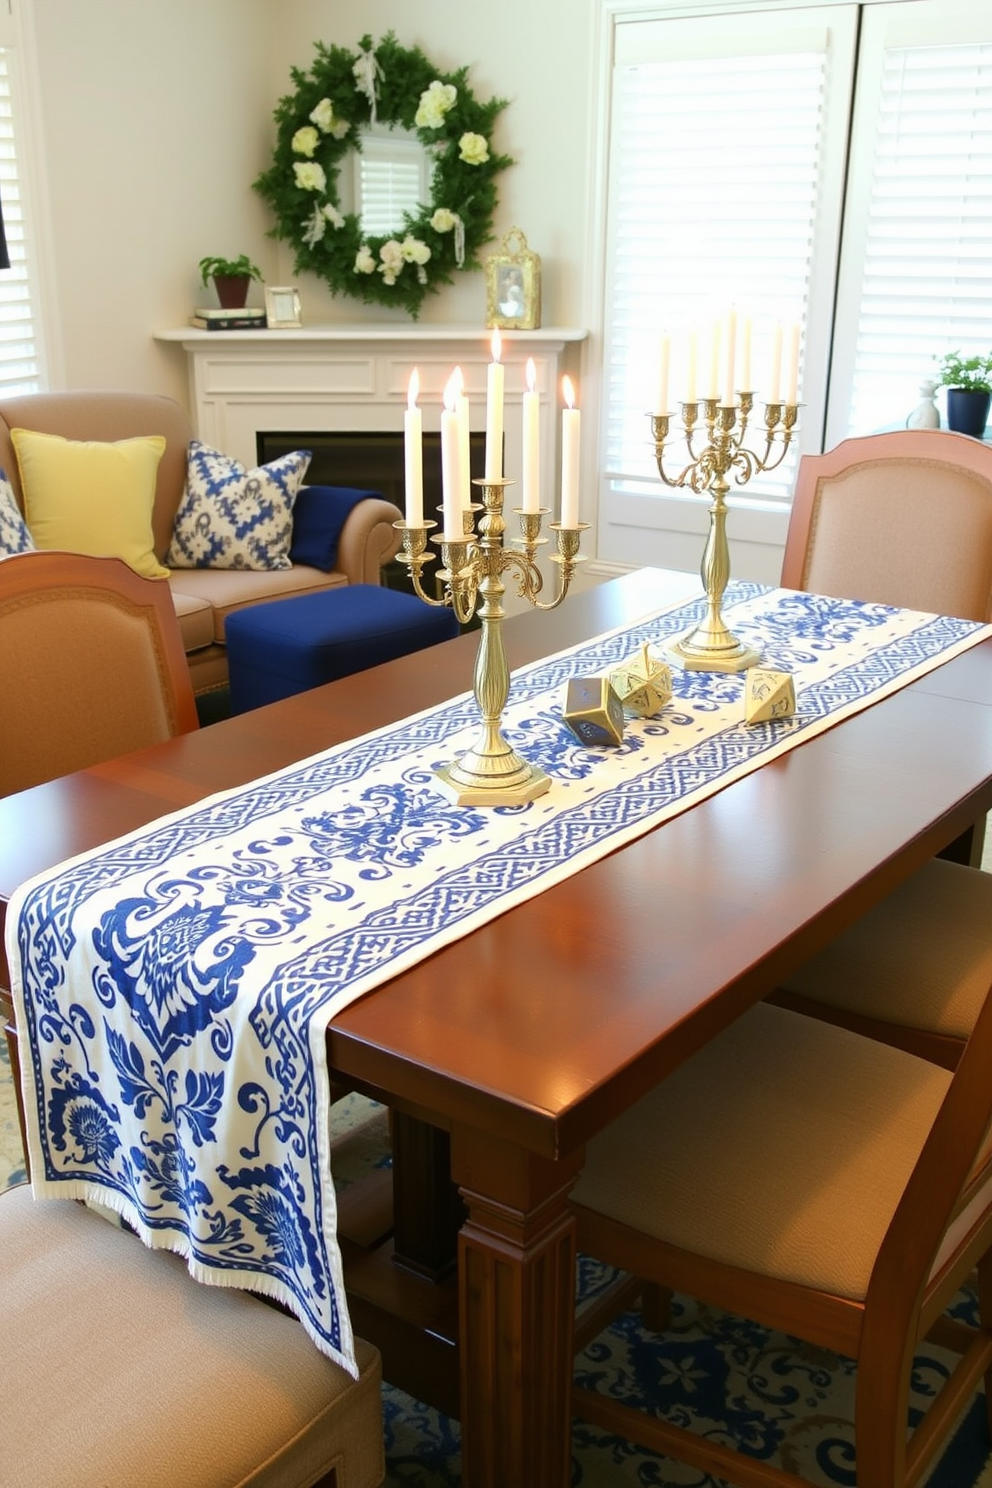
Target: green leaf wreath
x=320 y=122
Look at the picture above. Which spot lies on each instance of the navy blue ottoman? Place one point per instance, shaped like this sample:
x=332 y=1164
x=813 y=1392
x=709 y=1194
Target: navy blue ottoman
x=288 y=645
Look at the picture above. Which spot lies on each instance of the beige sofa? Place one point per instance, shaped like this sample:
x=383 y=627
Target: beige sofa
x=202 y=597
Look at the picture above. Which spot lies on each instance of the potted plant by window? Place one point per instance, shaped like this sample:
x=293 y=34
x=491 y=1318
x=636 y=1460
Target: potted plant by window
x=968 y=381
x=232 y=278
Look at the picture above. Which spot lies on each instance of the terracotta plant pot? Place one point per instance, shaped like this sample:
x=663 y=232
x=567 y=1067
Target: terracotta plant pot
x=968 y=411
x=232 y=289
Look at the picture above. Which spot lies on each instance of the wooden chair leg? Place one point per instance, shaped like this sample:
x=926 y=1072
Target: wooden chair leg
x=984 y=1270
x=656 y=1306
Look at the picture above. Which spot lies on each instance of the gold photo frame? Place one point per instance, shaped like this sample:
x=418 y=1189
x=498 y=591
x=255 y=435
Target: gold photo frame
x=513 y=285
x=282 y=307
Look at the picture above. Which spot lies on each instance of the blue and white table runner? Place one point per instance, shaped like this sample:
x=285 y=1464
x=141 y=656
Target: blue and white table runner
x=173 y=988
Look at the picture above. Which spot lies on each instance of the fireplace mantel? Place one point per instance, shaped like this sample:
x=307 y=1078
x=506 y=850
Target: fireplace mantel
x=355 y=378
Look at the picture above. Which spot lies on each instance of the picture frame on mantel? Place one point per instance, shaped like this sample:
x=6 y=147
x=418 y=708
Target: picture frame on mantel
x=282 y=307
x=513 y=285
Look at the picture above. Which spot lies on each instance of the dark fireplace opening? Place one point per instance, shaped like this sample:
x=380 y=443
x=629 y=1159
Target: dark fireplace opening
x=369 y=461
x=372 y=461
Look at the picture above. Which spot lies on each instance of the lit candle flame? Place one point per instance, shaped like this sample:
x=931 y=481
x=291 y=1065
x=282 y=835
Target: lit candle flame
x=531 y=375
x=413 y=391
x=458 y=382
x=451 y=390
x=497 y=345
x=568 y=392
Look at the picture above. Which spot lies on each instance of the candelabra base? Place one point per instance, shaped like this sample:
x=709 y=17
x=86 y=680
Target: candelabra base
x=716 y=649
x=484 y=779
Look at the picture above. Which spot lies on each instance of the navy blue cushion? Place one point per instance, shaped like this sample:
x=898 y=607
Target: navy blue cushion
x=319 y=513
x=289 y=645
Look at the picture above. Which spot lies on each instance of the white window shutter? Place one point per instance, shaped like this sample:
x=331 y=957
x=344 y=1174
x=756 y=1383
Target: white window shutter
x=716 y=193
x=916 y=271
x=19 y=367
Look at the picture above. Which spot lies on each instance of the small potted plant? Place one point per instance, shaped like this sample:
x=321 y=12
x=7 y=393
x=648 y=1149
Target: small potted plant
x=232 y=278
x=968 y=381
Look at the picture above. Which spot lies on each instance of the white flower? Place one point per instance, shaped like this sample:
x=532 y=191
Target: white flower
x=334 y=217
x=339 y=129
x=323 y=115
x=388 y=277
x=305 y=140
x=473 y=149
x=315 y=228
x=391 y=254
x=443 y=220
x=435 y=102
x=309 y=175
x=364 y=262
x=414 y=250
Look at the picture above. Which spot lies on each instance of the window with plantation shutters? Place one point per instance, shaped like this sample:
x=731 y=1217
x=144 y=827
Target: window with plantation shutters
x=828 y=163
x=728 y=138
x=916 y=267
x=19 y=349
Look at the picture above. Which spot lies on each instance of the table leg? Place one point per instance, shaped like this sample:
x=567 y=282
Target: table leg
x=516 y=1264
x=427 y=1211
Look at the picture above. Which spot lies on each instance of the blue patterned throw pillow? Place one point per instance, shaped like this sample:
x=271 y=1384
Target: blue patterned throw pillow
x=232 y=517
x=14 y=535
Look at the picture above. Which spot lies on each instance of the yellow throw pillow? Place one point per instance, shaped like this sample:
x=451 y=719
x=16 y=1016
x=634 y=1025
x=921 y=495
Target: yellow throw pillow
x=85 y=497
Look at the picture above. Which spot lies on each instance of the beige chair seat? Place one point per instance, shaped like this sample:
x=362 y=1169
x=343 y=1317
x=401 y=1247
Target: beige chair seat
x=921 y=958
x=118 y=1369
x=806 y=1134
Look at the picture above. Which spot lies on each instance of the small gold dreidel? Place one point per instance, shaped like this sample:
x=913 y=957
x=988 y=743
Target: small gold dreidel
x=593 y=711
x=643 y=684
x=768 y=695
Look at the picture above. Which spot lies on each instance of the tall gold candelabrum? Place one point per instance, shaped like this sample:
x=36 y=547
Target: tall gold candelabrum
x=711 y=646
x=491 y=772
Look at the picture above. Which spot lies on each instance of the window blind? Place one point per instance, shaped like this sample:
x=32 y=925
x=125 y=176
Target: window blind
x=392 y=182
x=19 y=367
x=714 y=179
x=923 y=225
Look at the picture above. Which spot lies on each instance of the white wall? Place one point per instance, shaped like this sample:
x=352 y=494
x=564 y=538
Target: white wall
x=156 y=115
x=154 y=120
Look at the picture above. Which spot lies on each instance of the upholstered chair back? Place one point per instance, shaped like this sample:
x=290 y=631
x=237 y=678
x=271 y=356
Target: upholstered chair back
x=106 y=417
x=902 y=519
x=91 y=665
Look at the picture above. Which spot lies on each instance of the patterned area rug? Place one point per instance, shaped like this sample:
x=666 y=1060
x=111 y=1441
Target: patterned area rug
x=727 y=1378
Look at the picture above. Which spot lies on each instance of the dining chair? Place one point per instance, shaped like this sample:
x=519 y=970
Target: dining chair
x=118 y=1368
x=904 y=519
x=91 y=665
x=820 y=1183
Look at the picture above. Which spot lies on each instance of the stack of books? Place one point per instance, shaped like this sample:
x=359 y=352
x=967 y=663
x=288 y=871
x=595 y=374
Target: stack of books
x=245 y=319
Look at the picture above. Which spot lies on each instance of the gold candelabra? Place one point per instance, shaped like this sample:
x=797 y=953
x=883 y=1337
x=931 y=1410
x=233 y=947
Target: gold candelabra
x=711 y=646
x=490 y=772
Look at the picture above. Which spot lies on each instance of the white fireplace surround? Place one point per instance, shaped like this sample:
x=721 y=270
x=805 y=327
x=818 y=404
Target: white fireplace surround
x=355 y=378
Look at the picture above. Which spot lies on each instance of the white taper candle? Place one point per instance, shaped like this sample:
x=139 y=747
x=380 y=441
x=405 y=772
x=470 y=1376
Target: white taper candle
x=451 y=495
x=531 y=442
x=570 y=428
x=775 y=380
x=666 y=355
x=494 y=413
x=792 y=382
x=730 y=364
x=413 y=452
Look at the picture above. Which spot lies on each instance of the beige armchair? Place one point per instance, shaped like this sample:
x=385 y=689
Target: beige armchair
x=202 y=597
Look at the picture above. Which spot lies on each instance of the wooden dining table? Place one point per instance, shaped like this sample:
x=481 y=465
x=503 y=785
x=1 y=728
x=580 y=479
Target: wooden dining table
x=504 y=1053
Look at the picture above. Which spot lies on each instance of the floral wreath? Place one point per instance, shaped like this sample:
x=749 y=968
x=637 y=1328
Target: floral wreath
x=320 y=122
